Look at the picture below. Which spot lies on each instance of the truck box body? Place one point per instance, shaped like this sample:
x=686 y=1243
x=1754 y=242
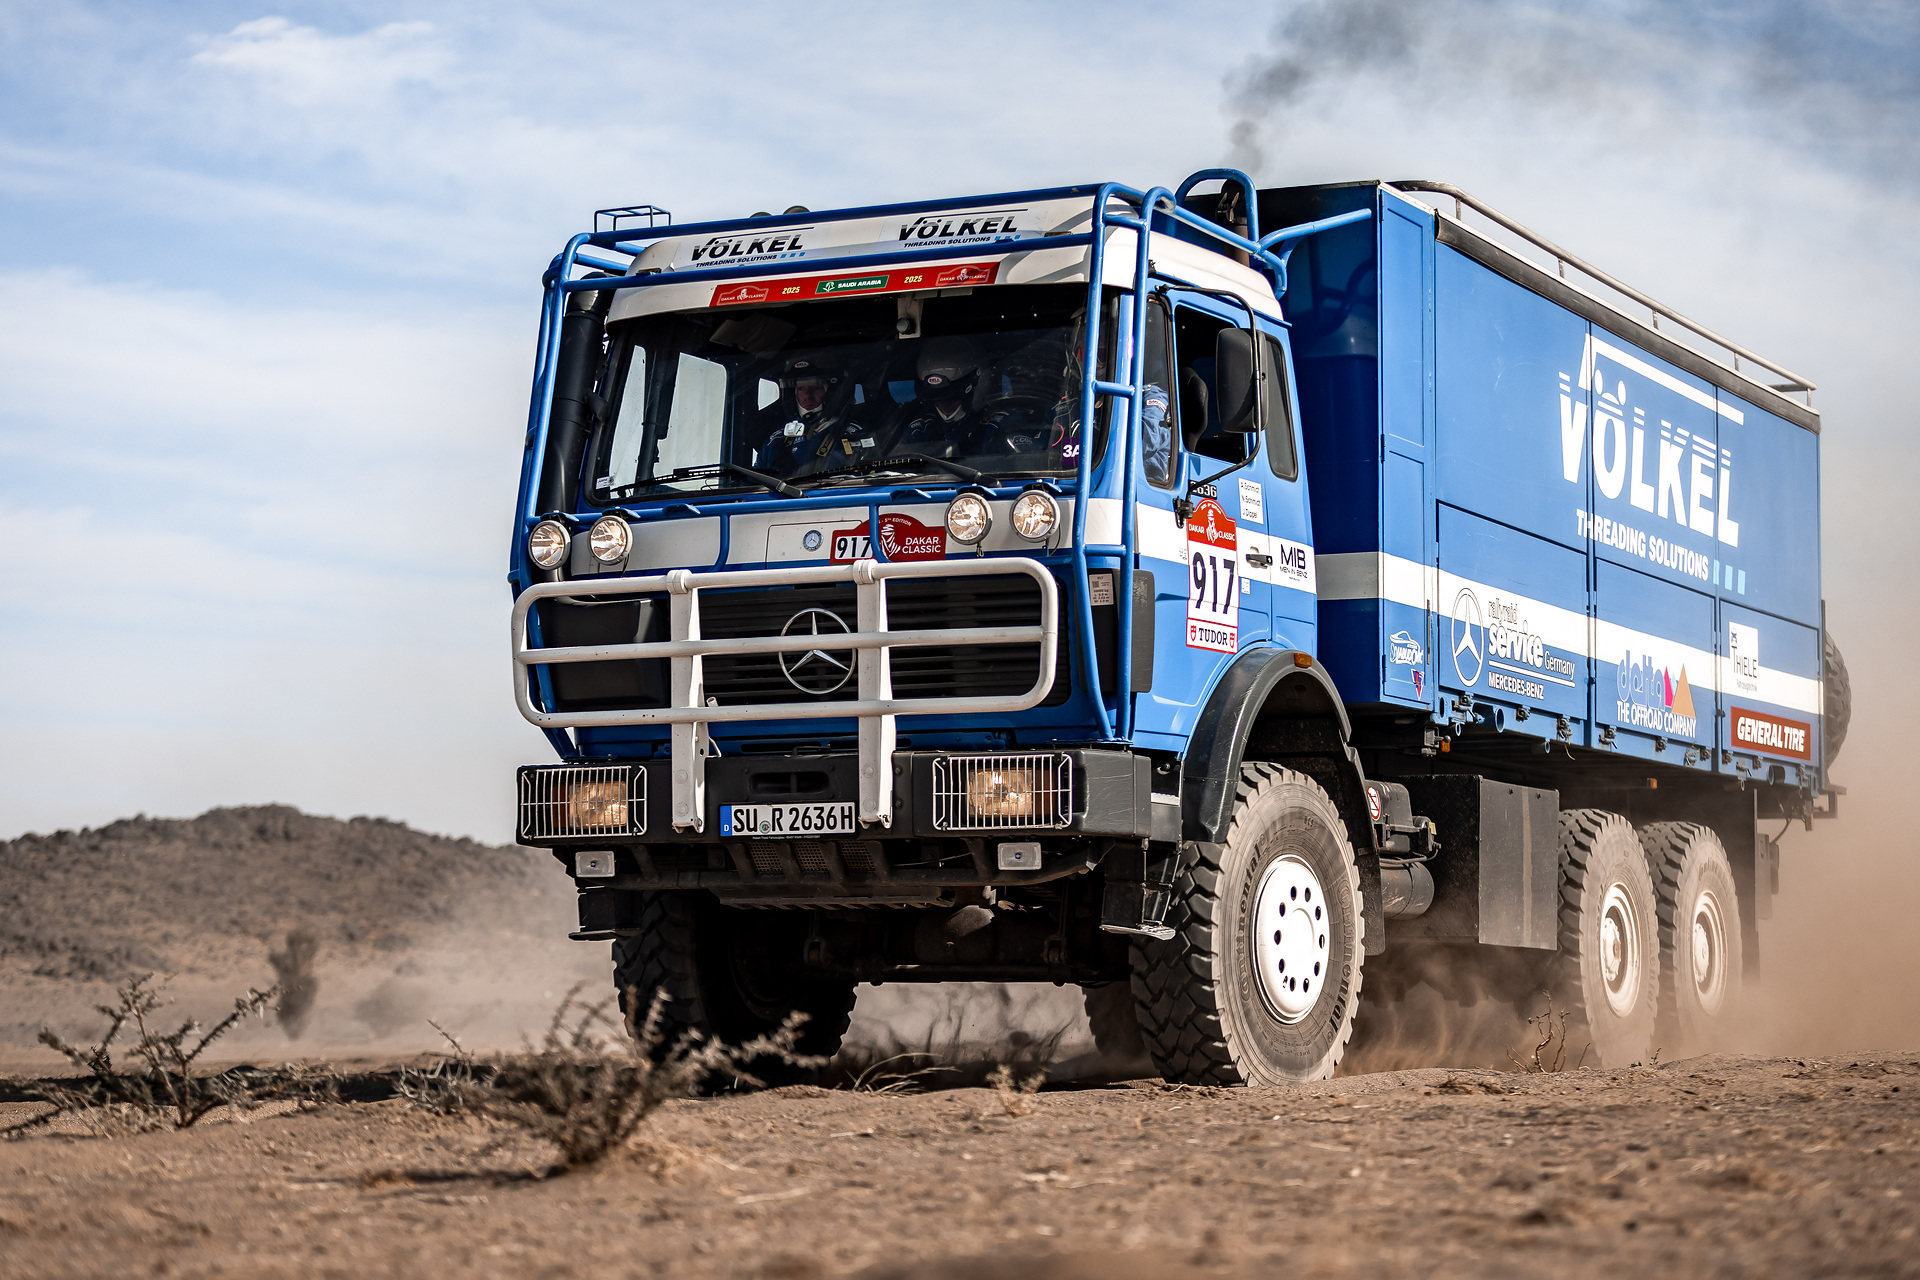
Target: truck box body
x=1524 y=498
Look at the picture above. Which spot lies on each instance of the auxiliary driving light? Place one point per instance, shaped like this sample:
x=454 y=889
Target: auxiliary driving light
x=1035 y=513
x=609 y=539
x=969 y=518
x=600 y=806
x=547 y=544
x=1001 y=793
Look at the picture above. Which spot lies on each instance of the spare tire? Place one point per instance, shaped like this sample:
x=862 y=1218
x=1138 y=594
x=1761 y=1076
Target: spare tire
x=1836 y=700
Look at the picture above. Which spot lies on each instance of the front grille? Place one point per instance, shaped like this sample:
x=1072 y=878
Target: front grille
x=933 y=671
x=588 y=800
x=811 y=856
x=1002 y=793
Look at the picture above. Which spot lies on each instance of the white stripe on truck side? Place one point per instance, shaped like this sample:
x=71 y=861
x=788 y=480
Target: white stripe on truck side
x=1375 y=575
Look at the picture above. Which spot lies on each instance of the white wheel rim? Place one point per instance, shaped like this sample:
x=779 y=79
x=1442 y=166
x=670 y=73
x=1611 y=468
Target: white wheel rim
x=1620 y=948
x=1291 y=933
x=1709 y=952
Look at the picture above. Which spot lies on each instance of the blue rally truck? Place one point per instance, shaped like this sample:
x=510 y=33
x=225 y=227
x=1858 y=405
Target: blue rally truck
x=1200 y=595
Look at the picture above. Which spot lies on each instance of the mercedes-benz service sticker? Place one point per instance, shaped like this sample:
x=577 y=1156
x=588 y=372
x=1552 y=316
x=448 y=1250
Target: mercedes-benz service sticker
x=1213 y=590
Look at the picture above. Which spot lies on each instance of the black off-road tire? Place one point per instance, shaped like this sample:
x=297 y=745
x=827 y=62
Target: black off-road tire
x=1700 y=944
x=1836 y=703
x=1609 y=978
x=1202 y=1008
x=1115 y=1023
x=730 y=975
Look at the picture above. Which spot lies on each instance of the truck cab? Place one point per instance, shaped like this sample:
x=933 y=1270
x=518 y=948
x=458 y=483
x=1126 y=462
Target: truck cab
x=929 y=592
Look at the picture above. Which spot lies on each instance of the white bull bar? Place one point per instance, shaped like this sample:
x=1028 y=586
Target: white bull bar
x=875 y=708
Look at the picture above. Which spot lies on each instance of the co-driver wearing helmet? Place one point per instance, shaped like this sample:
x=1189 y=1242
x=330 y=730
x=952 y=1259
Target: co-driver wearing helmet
x=944 y=421
x=813 y=427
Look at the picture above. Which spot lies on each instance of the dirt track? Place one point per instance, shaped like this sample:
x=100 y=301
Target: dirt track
x=1715 y=1166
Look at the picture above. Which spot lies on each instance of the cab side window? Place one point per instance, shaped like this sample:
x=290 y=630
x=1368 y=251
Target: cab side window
x=1159 y=455
x=1283 y=450
x=1195 y=332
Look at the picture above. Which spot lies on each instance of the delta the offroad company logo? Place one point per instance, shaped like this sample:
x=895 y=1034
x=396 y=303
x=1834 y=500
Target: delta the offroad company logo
x=1657 y=698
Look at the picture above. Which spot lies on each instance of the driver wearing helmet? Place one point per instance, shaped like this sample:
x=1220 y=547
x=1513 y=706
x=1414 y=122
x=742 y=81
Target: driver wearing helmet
x=943 y=421
x=812 y=426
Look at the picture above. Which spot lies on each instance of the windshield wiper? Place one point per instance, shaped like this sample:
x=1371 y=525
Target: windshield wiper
x=892 y=464
x=761 y=478
x=774 y=483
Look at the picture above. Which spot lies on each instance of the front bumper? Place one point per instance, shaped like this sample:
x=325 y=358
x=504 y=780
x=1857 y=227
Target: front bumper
x=919 y=854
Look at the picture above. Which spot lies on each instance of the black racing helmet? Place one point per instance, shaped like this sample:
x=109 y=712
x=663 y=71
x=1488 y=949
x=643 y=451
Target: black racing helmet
x=947 y=369
x=797 y=369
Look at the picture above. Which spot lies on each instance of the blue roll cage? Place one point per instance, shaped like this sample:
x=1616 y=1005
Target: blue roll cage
x=1158 y=208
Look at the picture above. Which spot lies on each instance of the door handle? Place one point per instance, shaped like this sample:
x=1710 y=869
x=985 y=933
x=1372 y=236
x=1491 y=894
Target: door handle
x=1257 y=560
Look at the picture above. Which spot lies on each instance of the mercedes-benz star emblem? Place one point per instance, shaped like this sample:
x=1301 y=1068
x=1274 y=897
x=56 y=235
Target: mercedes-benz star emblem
x=816 y=671
x=1466 y=618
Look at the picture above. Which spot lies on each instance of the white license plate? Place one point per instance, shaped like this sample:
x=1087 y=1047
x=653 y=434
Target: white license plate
x=786 y=821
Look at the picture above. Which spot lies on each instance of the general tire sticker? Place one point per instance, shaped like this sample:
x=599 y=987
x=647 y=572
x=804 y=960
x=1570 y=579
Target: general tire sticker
x=1213 y=589
x=1775 y=735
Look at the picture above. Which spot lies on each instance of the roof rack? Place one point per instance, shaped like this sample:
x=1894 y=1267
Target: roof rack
x=1462 y=201
x=654 y=215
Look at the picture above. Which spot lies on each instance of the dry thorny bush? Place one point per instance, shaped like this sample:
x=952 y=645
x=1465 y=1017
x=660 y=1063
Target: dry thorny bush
x=161 y=1088
x=592 y=1080
x=1549 y=1054
x=1015 y=1095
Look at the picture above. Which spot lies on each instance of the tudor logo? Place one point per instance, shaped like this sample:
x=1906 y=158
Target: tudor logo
x=816 y=671
x=1467 y=657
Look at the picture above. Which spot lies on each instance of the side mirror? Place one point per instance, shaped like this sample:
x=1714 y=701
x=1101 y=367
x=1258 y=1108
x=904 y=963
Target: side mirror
x=1242 y=392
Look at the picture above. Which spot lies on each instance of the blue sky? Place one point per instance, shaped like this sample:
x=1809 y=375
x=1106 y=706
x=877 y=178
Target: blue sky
x=269 y=283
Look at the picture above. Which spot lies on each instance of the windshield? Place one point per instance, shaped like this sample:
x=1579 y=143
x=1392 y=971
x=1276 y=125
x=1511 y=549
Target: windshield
x=841 y=391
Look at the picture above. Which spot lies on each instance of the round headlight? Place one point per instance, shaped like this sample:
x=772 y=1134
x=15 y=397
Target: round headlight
x=547 y=544
x=1035 y=513
x=969 y=518
x=609 y=539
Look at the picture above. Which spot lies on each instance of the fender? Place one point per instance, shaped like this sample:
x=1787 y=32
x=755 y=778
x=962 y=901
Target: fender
x=1269 y=707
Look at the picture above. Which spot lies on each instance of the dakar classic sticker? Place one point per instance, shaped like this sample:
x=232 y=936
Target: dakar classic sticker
x=901 y=538
x=892 y=280
x=1213 y=596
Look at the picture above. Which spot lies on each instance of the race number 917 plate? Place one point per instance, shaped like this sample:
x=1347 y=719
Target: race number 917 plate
x=1213 y=586
x=786 y=821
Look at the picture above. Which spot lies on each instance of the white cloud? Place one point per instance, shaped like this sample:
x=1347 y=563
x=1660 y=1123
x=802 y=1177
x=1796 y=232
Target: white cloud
x=305 y=67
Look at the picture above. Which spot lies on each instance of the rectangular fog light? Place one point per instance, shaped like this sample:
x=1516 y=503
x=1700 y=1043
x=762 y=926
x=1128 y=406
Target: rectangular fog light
x=594 y=801
x=982 y=793
x=593 y=862
x=1019 y=856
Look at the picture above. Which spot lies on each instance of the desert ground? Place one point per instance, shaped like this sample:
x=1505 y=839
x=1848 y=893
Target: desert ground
x=1752 y=1164
x=1713 y=1166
